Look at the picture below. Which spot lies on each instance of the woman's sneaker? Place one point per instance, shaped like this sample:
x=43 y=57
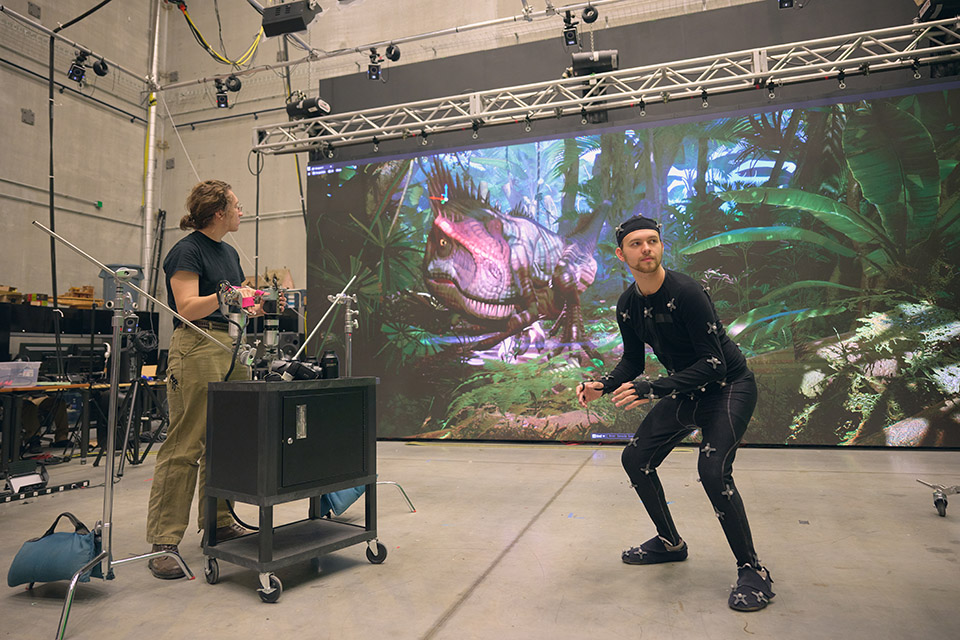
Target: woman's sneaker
x=655 y=551
x=753 y=590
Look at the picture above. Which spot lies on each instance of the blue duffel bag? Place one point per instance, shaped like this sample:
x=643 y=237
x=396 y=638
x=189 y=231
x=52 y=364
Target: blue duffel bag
x=56 y=556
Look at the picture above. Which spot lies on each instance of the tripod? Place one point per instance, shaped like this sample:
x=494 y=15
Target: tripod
x=139 y=396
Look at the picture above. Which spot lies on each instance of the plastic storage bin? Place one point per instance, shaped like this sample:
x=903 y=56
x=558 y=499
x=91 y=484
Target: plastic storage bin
x=19 y=374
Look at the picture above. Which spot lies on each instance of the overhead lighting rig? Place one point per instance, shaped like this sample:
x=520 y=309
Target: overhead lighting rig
x=907 y=48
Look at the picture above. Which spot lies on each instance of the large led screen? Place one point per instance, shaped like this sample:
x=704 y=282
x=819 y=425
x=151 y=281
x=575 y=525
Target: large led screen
x=827 y=238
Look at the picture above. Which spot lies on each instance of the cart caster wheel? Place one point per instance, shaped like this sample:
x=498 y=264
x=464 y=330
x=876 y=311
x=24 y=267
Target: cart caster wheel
x=941 y=506
x=274 y=595
x=379 y=556
x=212 y=571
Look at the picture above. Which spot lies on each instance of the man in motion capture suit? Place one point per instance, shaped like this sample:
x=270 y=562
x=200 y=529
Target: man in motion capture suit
x=708 y=387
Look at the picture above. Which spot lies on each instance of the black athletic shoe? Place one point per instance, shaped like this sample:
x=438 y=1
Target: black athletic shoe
x=753 y=590
x=654 y=551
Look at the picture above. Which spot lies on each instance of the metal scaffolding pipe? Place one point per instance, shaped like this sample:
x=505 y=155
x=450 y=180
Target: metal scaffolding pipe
x=150 y=173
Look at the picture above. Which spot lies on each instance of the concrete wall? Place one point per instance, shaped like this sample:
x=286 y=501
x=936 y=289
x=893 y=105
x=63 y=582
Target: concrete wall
x=99 y=152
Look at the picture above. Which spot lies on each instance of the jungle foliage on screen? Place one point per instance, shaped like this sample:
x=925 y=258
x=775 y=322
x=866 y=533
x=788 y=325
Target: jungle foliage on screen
x=827 y=237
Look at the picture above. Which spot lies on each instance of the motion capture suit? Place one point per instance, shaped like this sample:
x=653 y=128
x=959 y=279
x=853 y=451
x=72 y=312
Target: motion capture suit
x=708 y=387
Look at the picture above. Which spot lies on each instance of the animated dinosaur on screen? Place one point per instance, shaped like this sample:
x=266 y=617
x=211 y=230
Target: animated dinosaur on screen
x=504 y=272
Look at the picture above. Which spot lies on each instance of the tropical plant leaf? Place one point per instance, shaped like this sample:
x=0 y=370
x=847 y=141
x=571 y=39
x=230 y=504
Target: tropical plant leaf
x=893 y=157
x=760 y=314
x=835 y=215
x=784 y=318
x=806 y=284
x=768 y=234
x=877 y=262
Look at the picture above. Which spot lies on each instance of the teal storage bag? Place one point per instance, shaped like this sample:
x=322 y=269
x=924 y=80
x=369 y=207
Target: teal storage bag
x=56 y=556
x=338 y=501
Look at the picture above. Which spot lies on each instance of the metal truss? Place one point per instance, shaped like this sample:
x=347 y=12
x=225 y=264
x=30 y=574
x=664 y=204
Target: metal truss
x=838 y=57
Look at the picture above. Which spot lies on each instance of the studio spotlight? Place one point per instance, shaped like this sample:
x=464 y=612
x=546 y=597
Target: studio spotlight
x=786 y=4
x=222 y=101
x=841 y=79
x=77 y=69
x=590 y=14
x=100 y=67
x=393 y=53
x=233 y=83
x=571 y=36
x=938 y=9
x=587 y=63
x=703 y=98
x=288 y=17
x=299 y=106
x=373 y=69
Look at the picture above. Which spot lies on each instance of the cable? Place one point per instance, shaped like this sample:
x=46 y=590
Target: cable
x=177 y=131
x=81 y=16
x=237 y=518
x=247 y=56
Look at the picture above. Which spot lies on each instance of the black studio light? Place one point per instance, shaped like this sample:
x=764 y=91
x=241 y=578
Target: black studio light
x=288 y=17
x=299 y=106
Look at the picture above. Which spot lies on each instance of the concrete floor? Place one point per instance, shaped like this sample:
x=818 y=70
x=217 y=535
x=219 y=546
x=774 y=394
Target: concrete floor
x=524 y=541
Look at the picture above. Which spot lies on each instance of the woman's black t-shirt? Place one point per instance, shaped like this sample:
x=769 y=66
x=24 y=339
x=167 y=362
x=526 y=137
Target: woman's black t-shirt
x=213 y=261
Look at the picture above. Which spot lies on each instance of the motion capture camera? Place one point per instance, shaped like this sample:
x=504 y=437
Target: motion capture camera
x=130 y=322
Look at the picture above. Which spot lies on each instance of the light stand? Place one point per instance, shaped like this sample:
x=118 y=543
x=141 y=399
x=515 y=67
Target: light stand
x=334 y=300
x=122 y=277
x=349 y=324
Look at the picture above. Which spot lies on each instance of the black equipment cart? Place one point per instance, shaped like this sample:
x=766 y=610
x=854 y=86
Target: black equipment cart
x=274 y=442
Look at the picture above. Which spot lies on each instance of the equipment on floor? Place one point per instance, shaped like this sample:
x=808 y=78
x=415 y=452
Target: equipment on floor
x=25 y=476
x=940 y=493
x=57 y=556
